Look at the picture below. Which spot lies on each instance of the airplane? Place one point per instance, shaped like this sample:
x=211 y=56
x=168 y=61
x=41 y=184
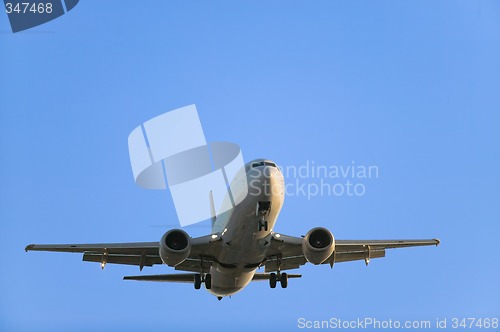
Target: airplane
x=242 y=240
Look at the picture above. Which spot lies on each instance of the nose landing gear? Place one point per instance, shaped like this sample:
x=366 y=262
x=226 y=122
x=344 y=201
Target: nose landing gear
x=263 y=224
x=263 y=209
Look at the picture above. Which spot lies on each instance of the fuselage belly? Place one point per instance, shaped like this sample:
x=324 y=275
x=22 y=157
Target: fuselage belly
x=244 y=243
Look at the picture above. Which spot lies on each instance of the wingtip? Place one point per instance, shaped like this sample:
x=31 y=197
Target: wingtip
x=437 y=242
x=29 y=247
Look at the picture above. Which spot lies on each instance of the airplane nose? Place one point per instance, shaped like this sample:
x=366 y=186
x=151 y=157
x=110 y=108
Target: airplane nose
x=267 y=172
x=266 y=181
x=274 y=179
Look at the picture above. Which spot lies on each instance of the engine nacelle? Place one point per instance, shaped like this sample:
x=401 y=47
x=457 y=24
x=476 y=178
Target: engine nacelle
x=175 y=246
x=318 y=245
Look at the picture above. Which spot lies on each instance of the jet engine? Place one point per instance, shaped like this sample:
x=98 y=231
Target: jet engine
x=318 y=245
x=175 y=246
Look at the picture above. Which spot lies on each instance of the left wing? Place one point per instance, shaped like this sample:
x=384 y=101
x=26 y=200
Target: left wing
x=286 y=251
x=137 y=253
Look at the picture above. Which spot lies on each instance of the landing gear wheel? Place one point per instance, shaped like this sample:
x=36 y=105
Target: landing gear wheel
x=208 y=281
x=263 y=224
x=197 y=281
x=284 y=280
x=272 y=280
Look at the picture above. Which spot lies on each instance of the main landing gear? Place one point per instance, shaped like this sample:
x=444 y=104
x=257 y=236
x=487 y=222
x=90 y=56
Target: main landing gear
x=281 y=277
x=199 y=279
x=202 y=277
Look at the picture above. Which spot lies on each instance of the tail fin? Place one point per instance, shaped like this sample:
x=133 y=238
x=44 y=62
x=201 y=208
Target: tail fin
x=213 y=212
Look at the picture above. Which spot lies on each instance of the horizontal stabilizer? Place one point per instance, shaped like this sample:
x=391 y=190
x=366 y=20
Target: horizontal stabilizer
x=189 y=277
x=180 y=277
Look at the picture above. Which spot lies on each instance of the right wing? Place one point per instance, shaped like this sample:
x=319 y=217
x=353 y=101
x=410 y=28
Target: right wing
x=287 y=251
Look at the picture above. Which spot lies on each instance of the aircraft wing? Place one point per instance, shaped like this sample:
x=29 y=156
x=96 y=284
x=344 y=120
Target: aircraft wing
x=288 y=250
x=136 y=253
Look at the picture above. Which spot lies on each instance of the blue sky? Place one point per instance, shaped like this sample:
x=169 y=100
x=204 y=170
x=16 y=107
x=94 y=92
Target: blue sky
x=409 y=86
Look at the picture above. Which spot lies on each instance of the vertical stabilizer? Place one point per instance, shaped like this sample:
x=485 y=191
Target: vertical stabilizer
x=213 y=213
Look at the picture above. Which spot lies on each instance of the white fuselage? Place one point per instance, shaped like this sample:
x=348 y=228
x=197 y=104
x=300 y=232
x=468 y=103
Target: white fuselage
x=244 y=246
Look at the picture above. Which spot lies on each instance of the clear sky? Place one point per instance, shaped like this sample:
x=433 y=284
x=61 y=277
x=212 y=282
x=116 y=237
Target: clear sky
x=412 y=87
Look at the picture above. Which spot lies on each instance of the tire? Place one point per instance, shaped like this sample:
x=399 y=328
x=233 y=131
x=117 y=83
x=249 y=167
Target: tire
x=208 y=281
x=272 y=280
x=284 y=280
x=197 y=281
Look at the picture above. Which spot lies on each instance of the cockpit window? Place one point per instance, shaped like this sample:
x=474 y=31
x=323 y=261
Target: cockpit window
x=263 y=163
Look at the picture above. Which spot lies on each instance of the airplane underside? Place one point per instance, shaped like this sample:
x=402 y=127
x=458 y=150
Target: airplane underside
x=241 y=241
